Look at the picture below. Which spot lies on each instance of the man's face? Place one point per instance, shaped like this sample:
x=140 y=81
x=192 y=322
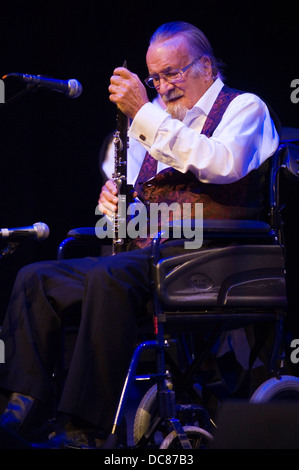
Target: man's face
x=183 y=94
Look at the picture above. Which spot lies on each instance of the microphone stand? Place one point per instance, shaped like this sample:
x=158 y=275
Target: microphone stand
x=10 y=248
x=29 y=89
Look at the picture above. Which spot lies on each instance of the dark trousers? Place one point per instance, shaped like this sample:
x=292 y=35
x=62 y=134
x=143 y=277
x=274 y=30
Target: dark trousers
x=106 y=296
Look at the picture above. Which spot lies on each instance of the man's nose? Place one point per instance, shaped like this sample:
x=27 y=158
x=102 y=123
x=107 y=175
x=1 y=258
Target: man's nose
x=165 y=86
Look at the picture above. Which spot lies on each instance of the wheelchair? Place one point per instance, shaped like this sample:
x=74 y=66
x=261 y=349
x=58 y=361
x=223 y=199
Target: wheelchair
x=237 y=282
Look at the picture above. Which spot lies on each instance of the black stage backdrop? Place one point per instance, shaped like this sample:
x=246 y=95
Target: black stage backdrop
x=49 y=143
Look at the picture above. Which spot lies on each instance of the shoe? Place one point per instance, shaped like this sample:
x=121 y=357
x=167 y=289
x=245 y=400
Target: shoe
x=16 y=411
x=23 y=415
x=69 y=436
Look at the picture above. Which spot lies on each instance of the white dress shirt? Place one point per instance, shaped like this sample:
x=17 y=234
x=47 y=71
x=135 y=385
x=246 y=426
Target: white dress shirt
x=244 y=139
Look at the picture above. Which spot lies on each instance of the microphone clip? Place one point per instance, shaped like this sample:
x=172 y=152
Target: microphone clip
x=9 y=249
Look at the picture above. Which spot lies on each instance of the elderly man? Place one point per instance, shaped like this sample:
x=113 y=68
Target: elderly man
x=205 y=147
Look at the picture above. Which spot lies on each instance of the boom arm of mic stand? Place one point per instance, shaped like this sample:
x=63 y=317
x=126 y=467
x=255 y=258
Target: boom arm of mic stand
x=29 y=89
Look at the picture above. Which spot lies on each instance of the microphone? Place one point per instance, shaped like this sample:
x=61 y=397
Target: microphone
x=38 y=231
x=72 y=88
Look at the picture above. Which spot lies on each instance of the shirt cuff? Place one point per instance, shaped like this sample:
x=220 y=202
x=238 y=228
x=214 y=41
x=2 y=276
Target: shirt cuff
x=146 y=123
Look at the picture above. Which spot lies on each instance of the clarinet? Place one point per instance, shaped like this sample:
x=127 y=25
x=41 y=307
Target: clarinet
x=119 y=176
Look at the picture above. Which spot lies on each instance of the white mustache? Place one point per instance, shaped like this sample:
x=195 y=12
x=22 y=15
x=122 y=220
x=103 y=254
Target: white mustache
x=172 y=95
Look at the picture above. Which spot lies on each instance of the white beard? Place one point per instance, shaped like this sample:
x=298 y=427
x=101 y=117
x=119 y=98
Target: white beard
x=176 y=110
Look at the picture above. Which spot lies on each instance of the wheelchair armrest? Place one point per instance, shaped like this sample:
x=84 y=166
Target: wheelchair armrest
x=81 y=236
x=236 y=227
x=83 y=233
x=229 y=229
x=226 y=229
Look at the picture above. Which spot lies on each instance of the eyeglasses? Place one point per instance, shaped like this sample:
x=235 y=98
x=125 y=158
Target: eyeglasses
x=172 y=76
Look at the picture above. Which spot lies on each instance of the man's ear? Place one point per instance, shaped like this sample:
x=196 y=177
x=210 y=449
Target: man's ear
x=207 y=65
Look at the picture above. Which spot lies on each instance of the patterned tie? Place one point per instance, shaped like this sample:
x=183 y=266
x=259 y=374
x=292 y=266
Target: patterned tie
x=147 y=171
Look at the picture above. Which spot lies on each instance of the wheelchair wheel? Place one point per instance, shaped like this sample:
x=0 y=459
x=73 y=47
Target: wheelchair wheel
x=145 y=412
x=145 y=416
x=198 y=438
x=285 y=387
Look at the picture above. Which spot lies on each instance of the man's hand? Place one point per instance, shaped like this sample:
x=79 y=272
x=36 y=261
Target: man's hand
x=108 y=199
x=127 y=91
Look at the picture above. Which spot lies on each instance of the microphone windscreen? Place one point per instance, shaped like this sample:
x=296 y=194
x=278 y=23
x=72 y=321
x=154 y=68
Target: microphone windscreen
x=42 y=231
